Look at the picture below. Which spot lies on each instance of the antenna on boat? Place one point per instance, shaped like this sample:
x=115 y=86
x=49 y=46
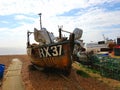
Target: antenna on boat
x=40 y=21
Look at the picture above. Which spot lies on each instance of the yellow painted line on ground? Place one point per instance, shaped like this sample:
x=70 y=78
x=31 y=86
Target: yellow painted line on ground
x=13 y=80
x=75 y=65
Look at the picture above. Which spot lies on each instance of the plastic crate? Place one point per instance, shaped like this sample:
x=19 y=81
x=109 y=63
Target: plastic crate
x=2 y=68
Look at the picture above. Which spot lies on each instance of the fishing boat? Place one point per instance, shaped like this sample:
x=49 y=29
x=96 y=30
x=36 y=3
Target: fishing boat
x=50 y=51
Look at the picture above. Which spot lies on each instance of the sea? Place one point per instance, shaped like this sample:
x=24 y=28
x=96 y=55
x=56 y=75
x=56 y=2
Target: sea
x=12 y=51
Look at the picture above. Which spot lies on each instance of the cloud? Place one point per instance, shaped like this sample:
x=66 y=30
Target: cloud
x=50 y=7
x=95 y=17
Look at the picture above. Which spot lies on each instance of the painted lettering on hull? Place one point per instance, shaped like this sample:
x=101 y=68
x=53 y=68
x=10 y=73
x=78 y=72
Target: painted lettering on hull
x=50 y=51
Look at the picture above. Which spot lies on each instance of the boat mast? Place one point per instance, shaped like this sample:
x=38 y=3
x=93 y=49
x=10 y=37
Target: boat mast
x=40 y=21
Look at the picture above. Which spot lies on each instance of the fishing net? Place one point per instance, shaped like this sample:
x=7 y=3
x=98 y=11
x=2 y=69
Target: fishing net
x=108 y=67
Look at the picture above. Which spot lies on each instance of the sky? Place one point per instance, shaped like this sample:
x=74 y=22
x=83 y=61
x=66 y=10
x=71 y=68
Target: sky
x=95 y=17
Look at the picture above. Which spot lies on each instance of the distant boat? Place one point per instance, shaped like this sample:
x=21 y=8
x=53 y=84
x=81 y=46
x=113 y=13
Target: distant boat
x=100 y=45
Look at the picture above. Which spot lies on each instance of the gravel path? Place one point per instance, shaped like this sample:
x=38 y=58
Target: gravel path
x=41 y=80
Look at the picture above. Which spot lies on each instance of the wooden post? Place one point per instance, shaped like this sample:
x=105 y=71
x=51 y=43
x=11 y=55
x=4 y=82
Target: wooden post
x=60 y=33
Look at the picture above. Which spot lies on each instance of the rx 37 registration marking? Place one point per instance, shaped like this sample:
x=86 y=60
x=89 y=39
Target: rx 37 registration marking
x=50 y=51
